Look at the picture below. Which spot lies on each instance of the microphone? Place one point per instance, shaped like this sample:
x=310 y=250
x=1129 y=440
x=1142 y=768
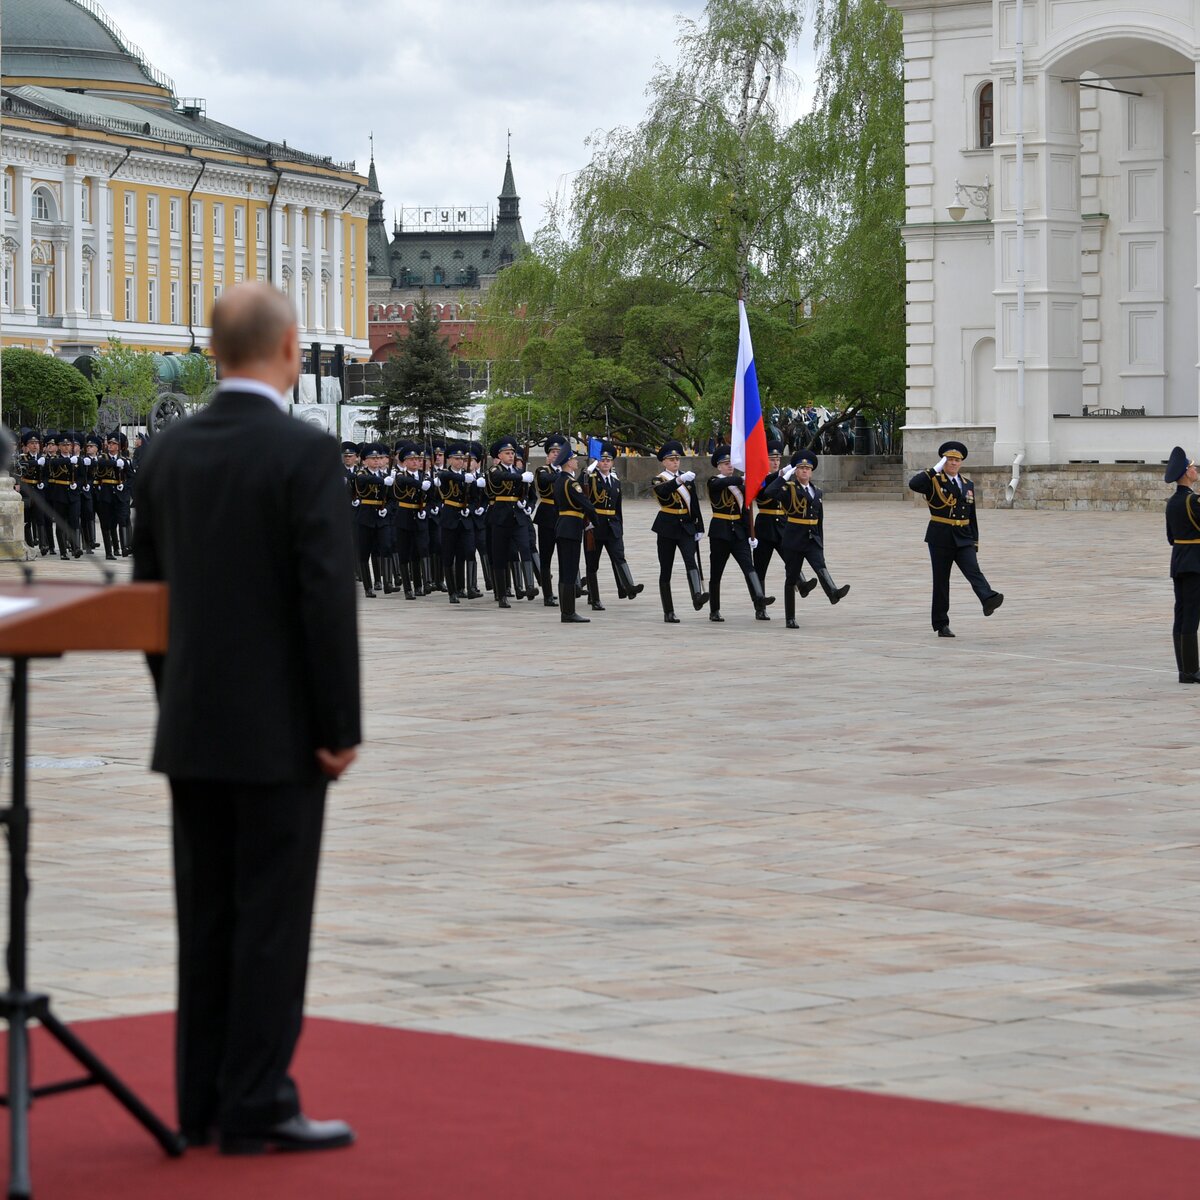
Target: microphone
x=8 y=453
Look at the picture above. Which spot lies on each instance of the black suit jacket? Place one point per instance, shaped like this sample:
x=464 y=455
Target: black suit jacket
x=261 y=667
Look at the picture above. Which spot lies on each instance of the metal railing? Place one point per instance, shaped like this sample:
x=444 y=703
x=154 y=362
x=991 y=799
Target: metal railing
x=134 y=51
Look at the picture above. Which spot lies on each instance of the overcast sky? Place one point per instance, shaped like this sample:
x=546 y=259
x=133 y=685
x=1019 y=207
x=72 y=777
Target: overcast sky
x=438 y=83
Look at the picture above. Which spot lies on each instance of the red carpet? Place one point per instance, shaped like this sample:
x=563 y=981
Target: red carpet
x=443 y=1118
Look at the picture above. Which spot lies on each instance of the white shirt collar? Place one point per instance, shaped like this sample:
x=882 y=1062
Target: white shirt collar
x=233 y=383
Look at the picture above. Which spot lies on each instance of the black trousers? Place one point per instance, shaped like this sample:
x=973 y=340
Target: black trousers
x=1187 y=604
x=794 y=558
x=568 y=572
x=546 y=544
x=614 y=543
x=245 y=881
x=453 y=545
x=666 y=554
x=762 y=558
x=501 y=552
x=719 y=553
x=943 y=558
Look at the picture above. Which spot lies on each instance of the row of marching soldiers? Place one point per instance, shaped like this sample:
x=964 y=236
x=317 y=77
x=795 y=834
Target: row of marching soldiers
x=422 y=517
x=81 y=480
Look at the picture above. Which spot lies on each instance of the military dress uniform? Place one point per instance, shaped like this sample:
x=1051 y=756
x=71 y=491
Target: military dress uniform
x=109 y=476
x=503 y=492
x=729 y=537
x=478 y=537
x=575 y=510
x=546 y=515
x=85 y=475
x=525 y=563
x=679 y=526
x=608 y=533
x=1183 y=534
x=408 y=502
x=29 y=475
x=369 y=500
x=952 y=536
x=455 y=496
x=58 y=479
x=122 y=494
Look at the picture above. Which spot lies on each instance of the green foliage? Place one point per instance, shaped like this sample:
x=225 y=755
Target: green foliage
x=125 y=378
x=527 y=418
x=196 y=378
x=423 y=394
x=43 y=392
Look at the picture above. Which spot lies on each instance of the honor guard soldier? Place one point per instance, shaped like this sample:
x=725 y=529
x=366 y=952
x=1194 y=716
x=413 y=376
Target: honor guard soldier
x=107 y=478
x=603 y=489
x=85 y=474
x=503 y=491
x=370 y=503
x=409 y=488
x=574 y=512
x=524 y=572
x=29 y=476
x=350 y=462
x=803 y=532
x=118 y=452
x=435 y=572
x=480 y=539
x=952 y=534
x=546 y=517
x=679 y=527
x=1183 y=533
x=58 y=476
x=729 y=536
x=455 y=493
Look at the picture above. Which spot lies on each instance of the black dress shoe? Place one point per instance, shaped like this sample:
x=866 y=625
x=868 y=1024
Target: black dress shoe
x=1184 y=677
x=453 y=597
x=992 y=603
x=670 y=618
x=296 y=1133
x=792 y=623
x=805 y=586
x=574 y=619
x=550 y=601
x=715 y=615
x=597 y=608
x=945 y=631
x=760 y=614
x=503 y=603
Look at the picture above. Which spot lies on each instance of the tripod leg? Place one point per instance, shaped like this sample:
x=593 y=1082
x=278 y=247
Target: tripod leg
x=171 y=1142
x=19 y=1184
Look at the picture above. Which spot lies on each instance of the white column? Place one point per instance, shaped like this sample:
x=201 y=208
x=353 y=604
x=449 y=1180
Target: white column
x=60 y=278
x=23 y=196
x=275 y=220
x=102 y=264
x=297 y=264
x=333 y=321
x=74 y=250
x=316 y=318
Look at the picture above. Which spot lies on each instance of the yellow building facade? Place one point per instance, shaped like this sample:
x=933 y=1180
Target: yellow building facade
x=126 y=210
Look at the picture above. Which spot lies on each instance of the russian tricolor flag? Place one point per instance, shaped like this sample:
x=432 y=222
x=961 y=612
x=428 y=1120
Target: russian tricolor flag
x=748 y=439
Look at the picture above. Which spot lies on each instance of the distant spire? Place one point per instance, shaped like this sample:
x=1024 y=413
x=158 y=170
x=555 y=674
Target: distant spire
x=509 y=190
x=372 y=178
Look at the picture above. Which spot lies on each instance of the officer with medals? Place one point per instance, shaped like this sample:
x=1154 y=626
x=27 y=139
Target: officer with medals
x=1183 y=534
x=769 y=523
x=952 y=534
x=546 y=517
x=574 y=512
x=729 y=536
x=504 y=493
x=603 y=489
x=454 y=495
x=679 y=527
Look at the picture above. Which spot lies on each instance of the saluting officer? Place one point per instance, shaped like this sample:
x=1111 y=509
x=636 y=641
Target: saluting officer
x=503 y=491
x=574 y=512
x=1183 y=533
x=952 y=534
x=546 y=516
x=729 y=536
x=679 y=526
x=603 y=489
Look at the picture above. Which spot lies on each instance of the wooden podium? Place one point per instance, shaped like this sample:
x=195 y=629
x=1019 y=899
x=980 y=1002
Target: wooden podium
x=45 y=620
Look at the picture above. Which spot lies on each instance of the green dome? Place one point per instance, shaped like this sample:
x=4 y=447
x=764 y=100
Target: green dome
x=69 y=39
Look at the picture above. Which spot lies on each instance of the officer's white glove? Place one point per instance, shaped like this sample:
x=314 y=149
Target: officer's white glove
x=74 y=460
x=941 y=465
x=74 y=487
x=120 y=462
x=425 y=485
x=479 y=512
x=41 y=486
x=87 y=462
x=699 y=536
x=527 y=477
x=41 y=462
x=481 y=482
x=788 y=472
x=388 y=480
x=87 y=487
x=687 y=477
x=469 y=477
x=383 y=512
x=354 y=503
x=421 y=515
x=754 y=543
x=120 y=487
x=592 y=465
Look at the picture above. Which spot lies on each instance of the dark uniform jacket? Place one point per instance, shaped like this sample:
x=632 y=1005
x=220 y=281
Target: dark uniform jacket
x=678 y=513
x=111 y=474
x=503 y=493
x=730 y=521
x=604 y=493
x=369 y=498
x=543 y=480
x=455 y=496
x=803 y=518
x=261 y=668
x=952 y=520
x=58 y=474
x=574 y=509
x=1183 y=531
x=407 y=498
x=768 y=521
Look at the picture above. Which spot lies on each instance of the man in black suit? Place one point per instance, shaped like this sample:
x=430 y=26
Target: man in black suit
x=953 y=533
x=258 y=710
x=1183 y=534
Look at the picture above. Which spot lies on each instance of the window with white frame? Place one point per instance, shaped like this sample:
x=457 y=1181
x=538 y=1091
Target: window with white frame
x=6 y=290
x=41 y=206
x=304 y=303
x=260 y=225
x=197 y=219
x=197 y=309
x=85 y=287
x=303 y=229
x=218 y=220
x=38 y=292
x=174 y=301
x=85 y=202
x=130 y=313
x=128 y=210
x=239 y=224
x=8 y=192
x=321 y=232
x=216 y=292
x=152 y=213
x=152 y=299
x=176 y=213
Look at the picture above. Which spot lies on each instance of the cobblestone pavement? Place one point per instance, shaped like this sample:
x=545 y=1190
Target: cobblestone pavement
x=853 y=854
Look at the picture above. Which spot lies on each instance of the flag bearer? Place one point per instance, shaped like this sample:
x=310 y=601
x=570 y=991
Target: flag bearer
x=729 y=536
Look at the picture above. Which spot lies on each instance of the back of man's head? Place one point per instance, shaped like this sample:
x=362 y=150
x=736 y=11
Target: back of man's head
x=250 y=323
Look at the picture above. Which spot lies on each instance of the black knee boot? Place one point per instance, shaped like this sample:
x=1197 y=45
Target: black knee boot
x=1190 y=657
x=789 y=606
x=488 y=581
x=531 y=588
x=472 y=573
x=699 y=596
x=806 y=585
x=761 y=600
x=834 y=592
x=593 y=592
x=668 y=605
x=625 y=575
x=107 y=535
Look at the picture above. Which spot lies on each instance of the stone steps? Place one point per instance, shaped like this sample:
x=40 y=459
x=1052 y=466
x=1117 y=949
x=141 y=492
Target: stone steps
x=884 y=481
